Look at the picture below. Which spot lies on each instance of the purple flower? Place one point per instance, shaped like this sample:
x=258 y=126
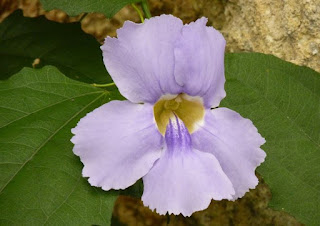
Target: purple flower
x=167 y=132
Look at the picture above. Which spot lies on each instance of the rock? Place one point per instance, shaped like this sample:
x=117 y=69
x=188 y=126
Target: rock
x=288 y=29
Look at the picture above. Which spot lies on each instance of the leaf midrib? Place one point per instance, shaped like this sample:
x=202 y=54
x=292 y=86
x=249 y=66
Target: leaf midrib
x=51 y=105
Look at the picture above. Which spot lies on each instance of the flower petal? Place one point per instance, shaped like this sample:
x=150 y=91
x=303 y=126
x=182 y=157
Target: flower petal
x=184 y=180
x=118 y=143
x=235 y=142
x=200 y=62
x=141 y=59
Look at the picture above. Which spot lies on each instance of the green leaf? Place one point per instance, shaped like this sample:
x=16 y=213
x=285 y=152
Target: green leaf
x=41 y=181
x=135 y=190
x=283 y=101
x=65 y=46
x=76 y=7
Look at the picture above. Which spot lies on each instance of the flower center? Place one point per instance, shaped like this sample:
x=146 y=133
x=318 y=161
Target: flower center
x=189 y=109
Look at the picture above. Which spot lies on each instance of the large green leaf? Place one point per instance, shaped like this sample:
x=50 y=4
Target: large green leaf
x=40 y=180
x=283 y=101
x=76 y=7
x=65 y=46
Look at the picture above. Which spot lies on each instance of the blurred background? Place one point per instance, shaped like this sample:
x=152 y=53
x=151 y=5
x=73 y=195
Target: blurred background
x=288 y=29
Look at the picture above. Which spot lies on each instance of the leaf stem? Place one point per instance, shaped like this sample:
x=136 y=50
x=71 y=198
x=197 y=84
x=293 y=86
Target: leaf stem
x=103 y=85
x=145 y=9
x=138 y=11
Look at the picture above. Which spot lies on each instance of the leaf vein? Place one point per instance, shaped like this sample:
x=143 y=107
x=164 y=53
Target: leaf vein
x=47 y=140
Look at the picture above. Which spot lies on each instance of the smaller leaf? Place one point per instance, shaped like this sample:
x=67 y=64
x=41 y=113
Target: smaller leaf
x=66 y=46
x=76 y=7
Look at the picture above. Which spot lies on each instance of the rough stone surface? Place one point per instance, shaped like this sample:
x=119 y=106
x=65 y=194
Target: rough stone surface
x=288 y=29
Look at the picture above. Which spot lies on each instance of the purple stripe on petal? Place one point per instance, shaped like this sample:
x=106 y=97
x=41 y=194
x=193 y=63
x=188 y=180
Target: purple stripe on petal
x=184 y=180
x=177 y=136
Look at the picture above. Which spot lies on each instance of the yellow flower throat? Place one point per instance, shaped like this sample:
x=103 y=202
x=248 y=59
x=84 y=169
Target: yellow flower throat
x=189 y=109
